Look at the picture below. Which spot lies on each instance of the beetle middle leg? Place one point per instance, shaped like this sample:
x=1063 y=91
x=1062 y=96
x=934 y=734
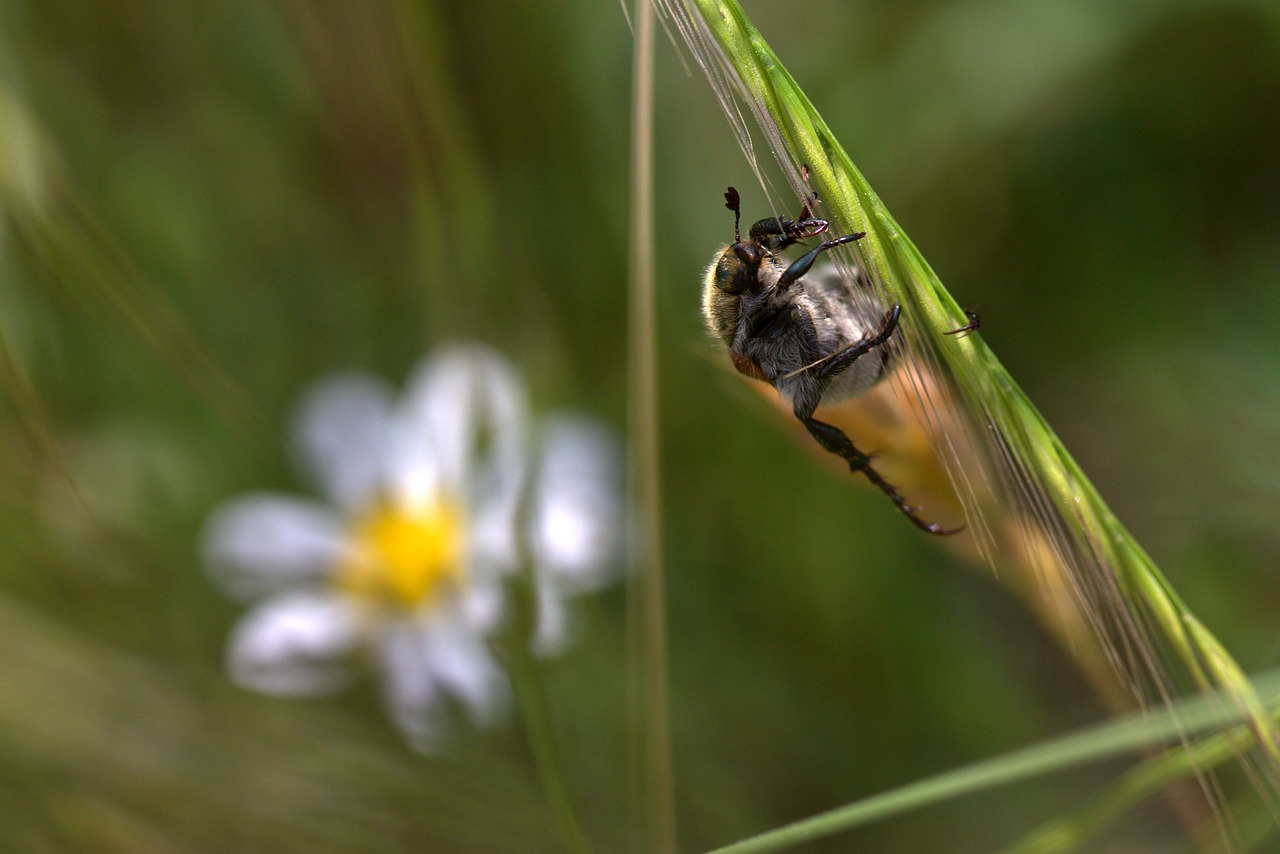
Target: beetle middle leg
x=836 y=365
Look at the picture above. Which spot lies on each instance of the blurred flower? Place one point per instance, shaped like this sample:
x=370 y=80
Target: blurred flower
x=575 y=524
x=428 y=515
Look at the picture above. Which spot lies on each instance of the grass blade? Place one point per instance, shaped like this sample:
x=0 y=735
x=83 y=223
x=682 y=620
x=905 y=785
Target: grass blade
x=1184 y=719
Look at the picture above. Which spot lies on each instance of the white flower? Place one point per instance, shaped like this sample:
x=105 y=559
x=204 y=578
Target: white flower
x=406 y=563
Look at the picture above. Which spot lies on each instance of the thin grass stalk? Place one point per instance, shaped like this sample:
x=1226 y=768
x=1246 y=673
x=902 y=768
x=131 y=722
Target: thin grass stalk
x=1025 y=486
x=531 y=698
x=657 y=782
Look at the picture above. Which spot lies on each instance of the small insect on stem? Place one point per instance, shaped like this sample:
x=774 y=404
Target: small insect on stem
x=974 y=323
x=807 y=211
x=812 y=202
x=800 y=329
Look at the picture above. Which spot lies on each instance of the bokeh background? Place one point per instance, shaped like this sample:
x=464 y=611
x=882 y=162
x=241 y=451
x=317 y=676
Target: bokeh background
x=206 y=206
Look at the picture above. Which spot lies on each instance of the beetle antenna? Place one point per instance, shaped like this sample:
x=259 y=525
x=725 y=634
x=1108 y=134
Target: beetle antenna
x=733 y=202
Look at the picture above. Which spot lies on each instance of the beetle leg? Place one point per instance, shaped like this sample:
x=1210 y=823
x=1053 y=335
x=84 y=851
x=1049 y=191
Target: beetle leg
x=974 y=322
x=801 y=265
x=840 y=361
x=834 y=440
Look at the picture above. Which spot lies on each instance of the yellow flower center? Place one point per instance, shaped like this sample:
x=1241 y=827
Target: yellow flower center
x=405 y=558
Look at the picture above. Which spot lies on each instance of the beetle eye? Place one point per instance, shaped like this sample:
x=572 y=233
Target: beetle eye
x=734 y=273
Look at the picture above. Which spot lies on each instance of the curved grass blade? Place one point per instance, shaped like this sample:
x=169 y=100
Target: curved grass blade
x=1071 y=831
x=1030 y=509
x=1185 y=718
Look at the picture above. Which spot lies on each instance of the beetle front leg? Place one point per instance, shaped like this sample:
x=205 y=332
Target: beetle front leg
x=801 y=265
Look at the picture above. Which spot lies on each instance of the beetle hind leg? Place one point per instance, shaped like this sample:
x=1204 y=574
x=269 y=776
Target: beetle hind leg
x=835 y=441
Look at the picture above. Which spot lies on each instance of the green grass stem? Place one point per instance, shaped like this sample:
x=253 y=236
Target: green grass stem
x=649 y=635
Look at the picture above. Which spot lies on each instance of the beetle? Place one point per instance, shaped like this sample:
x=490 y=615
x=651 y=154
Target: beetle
x=802 y=330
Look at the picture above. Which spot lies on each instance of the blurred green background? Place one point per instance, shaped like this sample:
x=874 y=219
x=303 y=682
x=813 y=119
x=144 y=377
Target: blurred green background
x=207 y=205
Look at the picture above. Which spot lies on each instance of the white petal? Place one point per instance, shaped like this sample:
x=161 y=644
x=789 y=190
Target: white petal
x=293 y=645
x=340 y=432
x=412 y=696
x=481 y=605
x=260 y=543
x=577 y=507
x=461 y=429
x=461 y=663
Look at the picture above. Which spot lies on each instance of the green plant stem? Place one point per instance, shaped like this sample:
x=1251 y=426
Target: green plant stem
x=657 y=782
x=531 y=699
